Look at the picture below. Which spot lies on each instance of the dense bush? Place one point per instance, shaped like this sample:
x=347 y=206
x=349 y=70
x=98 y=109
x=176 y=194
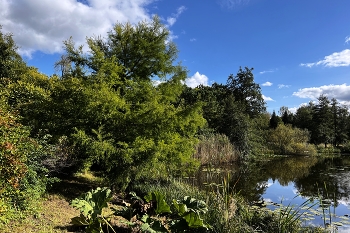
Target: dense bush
x=22 y=178
x=286 y=140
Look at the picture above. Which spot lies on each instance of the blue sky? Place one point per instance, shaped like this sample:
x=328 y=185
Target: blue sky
x=299 y=49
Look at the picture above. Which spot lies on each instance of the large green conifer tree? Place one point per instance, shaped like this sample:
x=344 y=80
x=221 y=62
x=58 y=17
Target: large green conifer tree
x=132 y=128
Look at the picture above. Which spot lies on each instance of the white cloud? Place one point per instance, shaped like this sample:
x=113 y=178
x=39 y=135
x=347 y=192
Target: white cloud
x=334 y=60
x=283 y=86
x=233 y=3
x=180 y=10
x=196 y=80
x=293 y=110
x=171 y=20
x=347 y=39
x=267 y=84
x=193 y=39
x=339 y=92
x=44 y=24
x=266 y=98
x=172 y=36
x=268 y=71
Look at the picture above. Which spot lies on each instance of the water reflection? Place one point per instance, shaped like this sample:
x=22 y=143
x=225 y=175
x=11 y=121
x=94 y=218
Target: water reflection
x=283 y=178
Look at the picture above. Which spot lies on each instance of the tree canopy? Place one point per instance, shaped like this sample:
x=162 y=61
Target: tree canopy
x=246 y=91
x=127 y=124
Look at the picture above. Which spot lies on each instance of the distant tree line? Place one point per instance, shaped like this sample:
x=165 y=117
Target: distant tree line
x=326 y=119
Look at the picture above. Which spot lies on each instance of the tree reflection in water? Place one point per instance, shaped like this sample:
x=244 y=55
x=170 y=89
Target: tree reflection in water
x=312 y=176
x=273 y=179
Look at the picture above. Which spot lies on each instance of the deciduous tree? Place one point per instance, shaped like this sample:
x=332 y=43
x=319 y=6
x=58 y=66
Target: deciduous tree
x=246 y=91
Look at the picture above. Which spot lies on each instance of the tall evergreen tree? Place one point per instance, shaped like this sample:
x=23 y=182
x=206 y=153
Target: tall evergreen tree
x=274 y=120
x=286 y=115
x=130 y=126
x=323 y=130
x=340 y=123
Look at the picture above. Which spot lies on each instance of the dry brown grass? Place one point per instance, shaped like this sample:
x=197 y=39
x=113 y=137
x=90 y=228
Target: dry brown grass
x=215 y=149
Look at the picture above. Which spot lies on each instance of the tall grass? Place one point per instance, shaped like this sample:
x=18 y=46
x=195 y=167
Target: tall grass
x=289 y=217
x=215 y=149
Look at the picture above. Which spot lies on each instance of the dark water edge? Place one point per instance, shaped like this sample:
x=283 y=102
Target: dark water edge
x=290 y=181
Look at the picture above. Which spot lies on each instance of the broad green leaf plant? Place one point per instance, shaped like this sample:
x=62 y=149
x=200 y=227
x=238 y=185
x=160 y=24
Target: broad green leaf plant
x=90 y=207
x=158 y=216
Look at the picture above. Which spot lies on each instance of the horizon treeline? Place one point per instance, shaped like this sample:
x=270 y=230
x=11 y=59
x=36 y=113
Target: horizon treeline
x=326 y=119
x=104 y=112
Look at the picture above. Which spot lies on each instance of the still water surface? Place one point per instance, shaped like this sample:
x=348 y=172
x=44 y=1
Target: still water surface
x=291 y=181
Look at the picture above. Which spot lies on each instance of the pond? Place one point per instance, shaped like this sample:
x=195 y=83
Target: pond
x=291 y=181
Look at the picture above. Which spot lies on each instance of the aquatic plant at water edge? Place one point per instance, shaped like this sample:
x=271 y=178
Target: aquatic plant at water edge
x=156 y=215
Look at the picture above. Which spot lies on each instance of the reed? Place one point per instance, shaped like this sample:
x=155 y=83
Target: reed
x=228 y=212
x=215 y=149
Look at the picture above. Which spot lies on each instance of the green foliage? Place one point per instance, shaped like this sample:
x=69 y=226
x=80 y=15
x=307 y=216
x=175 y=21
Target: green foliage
x=289 y=217
x=11 y=63
x=142 y=50
x=327 y=121
x=161 y=206
x=322 y=123
x=23 y=177
x=90 y=207
x=274 y=121
x=187 y=213
x=246 y=92
x=258 y=131
x=287 y=140
x=190 y=210
x=345 y=148
x=125 y=125
x=229 y=109
x=303 y=117
x=226 y=211
x=286 y=115
x=330 y=150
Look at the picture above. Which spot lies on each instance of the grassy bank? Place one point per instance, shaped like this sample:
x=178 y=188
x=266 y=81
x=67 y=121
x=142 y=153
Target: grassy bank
x=229 y=212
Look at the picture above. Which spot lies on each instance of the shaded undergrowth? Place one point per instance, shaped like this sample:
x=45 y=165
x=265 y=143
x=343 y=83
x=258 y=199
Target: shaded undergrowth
x=53 y=212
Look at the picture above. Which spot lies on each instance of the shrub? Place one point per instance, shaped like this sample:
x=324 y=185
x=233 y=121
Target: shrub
x=22 y=178
x=303 y=149
x=287 y=140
